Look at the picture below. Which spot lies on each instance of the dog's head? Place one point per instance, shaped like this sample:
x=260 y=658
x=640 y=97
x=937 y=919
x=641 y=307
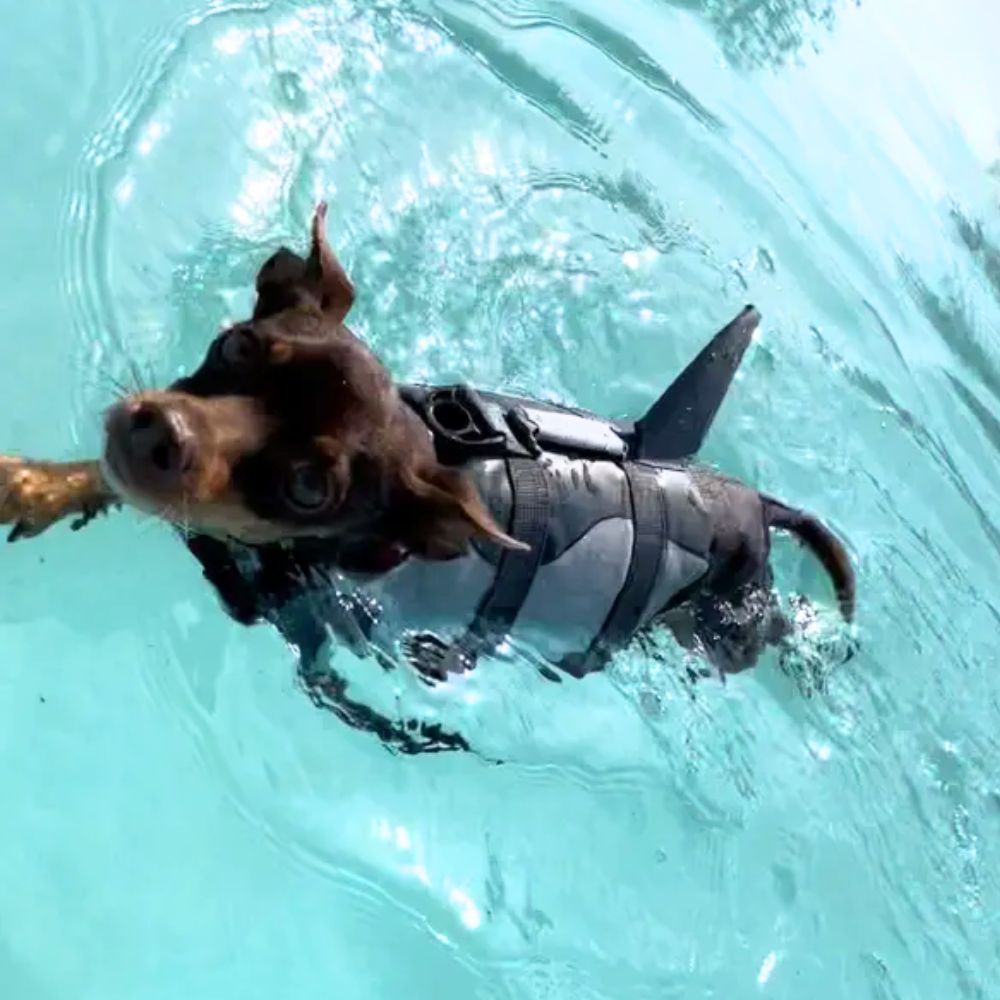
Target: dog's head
x=291 y=428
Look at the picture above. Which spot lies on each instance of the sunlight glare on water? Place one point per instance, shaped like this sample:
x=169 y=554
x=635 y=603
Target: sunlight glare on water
x=563 y=198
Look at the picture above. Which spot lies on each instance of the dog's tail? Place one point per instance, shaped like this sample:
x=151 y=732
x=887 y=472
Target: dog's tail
x=823 y=543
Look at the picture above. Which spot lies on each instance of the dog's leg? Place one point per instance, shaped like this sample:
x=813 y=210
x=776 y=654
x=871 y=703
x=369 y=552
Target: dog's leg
x=328 y=690
x=35 y=495
x=325 y=273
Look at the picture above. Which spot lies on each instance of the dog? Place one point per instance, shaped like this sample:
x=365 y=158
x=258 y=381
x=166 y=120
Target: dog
x=426 y=524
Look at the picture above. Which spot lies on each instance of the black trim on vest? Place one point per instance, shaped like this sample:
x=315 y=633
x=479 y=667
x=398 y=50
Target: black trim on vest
x=467 y=424
x=649 y=519
x=516 y=570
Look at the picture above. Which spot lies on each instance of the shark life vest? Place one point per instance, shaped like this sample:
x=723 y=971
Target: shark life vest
x=614 y=528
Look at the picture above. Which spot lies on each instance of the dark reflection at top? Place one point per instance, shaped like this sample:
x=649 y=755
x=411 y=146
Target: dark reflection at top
x=985 y=251
x=767 y=33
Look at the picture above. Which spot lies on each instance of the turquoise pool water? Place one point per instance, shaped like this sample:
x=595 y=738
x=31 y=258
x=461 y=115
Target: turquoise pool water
x=563 y=197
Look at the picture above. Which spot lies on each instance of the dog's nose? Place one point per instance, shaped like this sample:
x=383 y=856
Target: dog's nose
x=158 y=438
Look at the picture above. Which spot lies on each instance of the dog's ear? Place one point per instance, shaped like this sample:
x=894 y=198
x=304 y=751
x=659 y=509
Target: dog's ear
x=279 y=283
x=443 y=512
x=325 y=277
x=286 y=277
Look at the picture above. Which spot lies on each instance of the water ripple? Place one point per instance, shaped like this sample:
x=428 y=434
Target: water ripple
x=85 y=280
x=757 y=33
x=619 y=48
x=531 y=83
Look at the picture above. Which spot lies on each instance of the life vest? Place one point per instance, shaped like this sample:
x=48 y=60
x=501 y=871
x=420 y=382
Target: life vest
x=610 y=541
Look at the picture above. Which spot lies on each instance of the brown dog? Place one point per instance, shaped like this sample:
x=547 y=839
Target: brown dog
x=290 y=447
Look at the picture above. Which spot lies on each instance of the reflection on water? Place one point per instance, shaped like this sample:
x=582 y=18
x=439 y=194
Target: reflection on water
x=767 y=33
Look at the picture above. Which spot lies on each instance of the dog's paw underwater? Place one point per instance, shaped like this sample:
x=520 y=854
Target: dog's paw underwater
x=820 y=642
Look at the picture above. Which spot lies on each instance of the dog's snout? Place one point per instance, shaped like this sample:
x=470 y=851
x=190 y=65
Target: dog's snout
x=153 y=437
x=157 y=436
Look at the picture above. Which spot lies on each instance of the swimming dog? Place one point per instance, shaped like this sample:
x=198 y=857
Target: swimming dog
x=426 y=524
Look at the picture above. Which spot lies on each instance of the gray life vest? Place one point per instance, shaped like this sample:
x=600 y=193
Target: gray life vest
x=611 y=543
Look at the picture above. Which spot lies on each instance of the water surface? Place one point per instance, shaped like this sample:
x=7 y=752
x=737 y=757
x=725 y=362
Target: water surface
x=564 y=199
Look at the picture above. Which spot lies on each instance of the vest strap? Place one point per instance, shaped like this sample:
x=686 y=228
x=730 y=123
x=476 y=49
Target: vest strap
x=649 y=517
x=501 y=604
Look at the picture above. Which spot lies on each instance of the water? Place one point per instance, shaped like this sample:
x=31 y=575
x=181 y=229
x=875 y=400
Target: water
x=564 y=198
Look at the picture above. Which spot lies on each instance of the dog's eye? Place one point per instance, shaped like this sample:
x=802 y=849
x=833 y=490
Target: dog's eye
x=239 y=348
x=308 y=488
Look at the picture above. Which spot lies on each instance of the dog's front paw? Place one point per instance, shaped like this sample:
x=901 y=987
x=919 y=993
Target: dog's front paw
x=36 y=495
x=433 y=658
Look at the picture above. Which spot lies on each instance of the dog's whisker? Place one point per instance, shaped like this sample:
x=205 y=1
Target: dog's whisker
x=136 y=375
x=147 y=522
x=104 y=381
x=184 y=524
x=118 y=390
x=122 y=380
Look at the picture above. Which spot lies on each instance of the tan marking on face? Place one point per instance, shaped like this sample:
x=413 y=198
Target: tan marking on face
x=219 y=432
